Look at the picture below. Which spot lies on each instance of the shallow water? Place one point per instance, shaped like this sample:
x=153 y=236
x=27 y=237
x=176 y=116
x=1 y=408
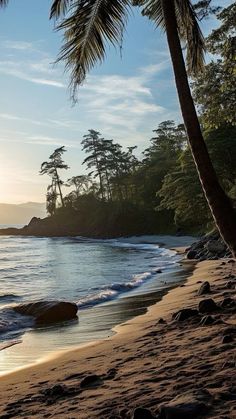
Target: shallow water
x=110 y=280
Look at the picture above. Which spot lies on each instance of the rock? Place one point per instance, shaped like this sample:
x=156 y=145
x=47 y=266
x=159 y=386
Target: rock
x=158 y=271
x=207 y=306
x=231 y=261
x=215 y=246
x=227 y=302
x=34 y=221
x=207 y=321
x=192 y=254
x=48 y=312
x=184 y=411
x=91 y=380
x=185 y=314
x=227 y=339
x=231 y=330
x=204 y=288
x=230 y=285
x=142 y=413
x=161 y=321
x=58 y=390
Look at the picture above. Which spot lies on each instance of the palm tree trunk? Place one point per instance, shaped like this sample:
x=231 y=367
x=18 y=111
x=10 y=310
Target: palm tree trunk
x=220 y=205
x=59 y=188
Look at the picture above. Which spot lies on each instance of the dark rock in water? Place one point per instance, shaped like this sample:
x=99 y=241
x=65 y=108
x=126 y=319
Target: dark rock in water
x=207 y=321
x=184 y=411
x=191 y=254
x=207 y=306
x=227 y=339
x=204 y=288
x=90 y=381
x=231 y=261
x=142 y=413
x=227 y=302
x=48 y=312
x=185 y=314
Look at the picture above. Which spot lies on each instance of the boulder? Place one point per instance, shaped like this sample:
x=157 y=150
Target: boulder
x=230 y=285
x=48 y=312
x=58 y=390
x=231 y=330
x=192 y=254
x=142 y=413
x=185 y=314
x=227 y=302
x=205 y=288
x=215 y=247
x=207 y=321
x=184 y=411
x=91 y=380
x=227 y=339
x=207 y=306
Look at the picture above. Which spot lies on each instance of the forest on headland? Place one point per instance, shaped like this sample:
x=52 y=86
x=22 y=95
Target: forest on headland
x=160 y=192
x=185 y=181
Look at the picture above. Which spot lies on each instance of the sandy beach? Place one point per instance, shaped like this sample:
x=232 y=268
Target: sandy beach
x=179 y=367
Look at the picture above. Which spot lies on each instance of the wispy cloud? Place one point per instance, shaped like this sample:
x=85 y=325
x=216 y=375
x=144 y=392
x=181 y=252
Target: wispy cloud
x=16 y=69
x=123 y=104
x=17 y=45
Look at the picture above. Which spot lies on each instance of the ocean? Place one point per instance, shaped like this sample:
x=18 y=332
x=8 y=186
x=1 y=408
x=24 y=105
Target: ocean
x=111 y=281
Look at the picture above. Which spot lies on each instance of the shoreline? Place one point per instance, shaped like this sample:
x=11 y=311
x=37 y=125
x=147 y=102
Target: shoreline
x=104 y=317
x=143 y=355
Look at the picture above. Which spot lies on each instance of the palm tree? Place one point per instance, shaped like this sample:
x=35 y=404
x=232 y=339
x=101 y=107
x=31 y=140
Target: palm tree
x=89 y=25
x=51 y=168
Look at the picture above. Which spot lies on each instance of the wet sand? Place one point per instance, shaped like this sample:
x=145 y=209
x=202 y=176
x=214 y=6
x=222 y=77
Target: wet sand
x=147 y=363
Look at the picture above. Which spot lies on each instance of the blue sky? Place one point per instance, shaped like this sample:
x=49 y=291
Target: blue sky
x=124 y=98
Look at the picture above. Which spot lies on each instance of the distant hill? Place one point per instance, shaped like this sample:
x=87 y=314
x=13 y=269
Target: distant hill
x=21 y=213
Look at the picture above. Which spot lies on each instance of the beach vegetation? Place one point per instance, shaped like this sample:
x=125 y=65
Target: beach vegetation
x=51 y=168
x=89 y=25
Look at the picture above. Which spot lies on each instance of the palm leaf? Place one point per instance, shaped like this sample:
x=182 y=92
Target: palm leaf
x=187 y=25
x=190 y=32
x=59 y=8
x=91 y=24
x=3 y=3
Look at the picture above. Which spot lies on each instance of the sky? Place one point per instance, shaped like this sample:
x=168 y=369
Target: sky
x=125 y=98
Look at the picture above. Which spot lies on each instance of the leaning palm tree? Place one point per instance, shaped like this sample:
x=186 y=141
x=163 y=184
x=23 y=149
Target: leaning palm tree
x=89 y=25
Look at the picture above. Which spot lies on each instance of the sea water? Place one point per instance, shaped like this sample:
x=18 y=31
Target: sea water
x=109 y=280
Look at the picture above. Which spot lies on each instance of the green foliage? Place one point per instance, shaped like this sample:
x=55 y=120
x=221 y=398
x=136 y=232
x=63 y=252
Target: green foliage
x=51 y=168
x=159 y=193
x=181 y=190
x=214 y=90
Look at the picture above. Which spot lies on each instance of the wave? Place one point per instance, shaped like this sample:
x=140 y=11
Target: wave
x=12 y=324
x=107 y=293
x=9 y=298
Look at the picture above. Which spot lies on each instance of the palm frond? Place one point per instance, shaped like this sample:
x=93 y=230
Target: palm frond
x=91 y=24
x=59 y=8
x=187 y=25
x=191 y=33
x=3 y=3
x=153 y=10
